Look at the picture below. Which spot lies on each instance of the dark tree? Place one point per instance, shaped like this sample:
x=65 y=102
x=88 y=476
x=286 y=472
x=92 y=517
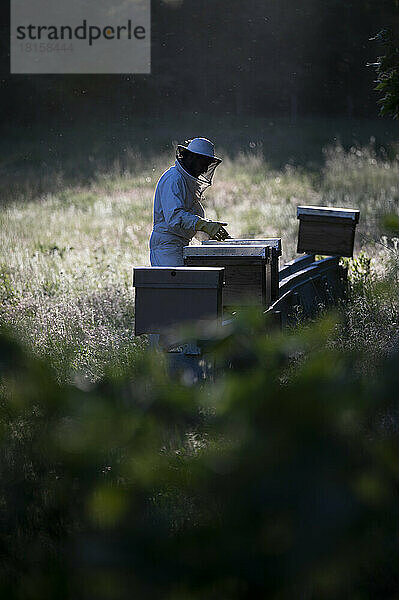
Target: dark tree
x=387 y=69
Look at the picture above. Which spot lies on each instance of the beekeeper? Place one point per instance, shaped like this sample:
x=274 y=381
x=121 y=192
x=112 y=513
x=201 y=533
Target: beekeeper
x=178 y=212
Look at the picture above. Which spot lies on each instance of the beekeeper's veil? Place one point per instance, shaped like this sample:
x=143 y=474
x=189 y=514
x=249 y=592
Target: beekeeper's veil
x=202 y=147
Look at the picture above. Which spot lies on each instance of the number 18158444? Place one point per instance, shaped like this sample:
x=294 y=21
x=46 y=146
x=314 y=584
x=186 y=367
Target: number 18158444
x=46 y=47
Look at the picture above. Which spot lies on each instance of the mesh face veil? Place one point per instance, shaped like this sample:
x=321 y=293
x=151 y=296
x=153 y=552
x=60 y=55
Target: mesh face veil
x=198 y=165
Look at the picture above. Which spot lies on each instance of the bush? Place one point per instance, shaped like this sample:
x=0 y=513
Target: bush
x=267 y=482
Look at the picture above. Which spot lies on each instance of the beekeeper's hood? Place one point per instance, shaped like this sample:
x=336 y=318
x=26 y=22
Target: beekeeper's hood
x=202 y=147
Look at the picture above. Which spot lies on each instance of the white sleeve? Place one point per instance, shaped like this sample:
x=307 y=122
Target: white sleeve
x=174 y=210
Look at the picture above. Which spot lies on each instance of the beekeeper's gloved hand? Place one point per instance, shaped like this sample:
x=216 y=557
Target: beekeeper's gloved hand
x=214 y=229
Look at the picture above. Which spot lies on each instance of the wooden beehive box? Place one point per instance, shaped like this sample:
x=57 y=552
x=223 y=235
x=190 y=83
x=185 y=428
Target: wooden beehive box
x=326 y=230
x=169 y=296
x=247 y=271
x=275 y=252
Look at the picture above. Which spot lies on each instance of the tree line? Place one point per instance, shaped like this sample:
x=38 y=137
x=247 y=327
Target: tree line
x=281 y=58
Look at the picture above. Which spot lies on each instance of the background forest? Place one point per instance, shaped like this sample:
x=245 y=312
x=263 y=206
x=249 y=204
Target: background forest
x=227 y=57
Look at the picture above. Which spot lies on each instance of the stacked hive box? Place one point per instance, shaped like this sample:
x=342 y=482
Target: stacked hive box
x=274 y=244
x=250 y=269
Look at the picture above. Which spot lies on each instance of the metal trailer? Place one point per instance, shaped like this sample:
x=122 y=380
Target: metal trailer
x=307 y=286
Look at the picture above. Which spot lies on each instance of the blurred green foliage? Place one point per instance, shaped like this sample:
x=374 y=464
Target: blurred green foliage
x=267 y=482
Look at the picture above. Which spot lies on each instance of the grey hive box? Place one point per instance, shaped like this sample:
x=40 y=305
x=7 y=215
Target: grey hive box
x=247 y=271
x=326 y=230
x=169 y=296
x=275 y=252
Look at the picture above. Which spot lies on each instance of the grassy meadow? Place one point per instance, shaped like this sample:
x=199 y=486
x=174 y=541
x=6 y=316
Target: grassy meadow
x=77 y=209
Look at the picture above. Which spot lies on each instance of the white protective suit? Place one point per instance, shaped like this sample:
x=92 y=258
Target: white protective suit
x=177 y=208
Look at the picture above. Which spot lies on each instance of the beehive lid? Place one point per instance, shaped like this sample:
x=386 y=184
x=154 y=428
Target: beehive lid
x=328 y=211
x=274 y=243
x=182 y=277
x=226 y=251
